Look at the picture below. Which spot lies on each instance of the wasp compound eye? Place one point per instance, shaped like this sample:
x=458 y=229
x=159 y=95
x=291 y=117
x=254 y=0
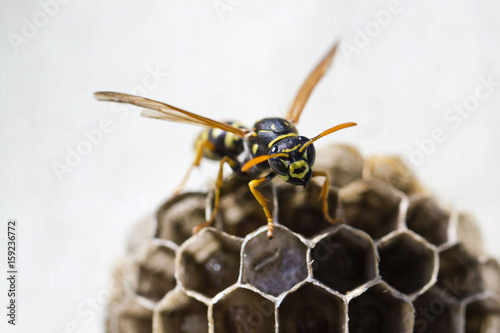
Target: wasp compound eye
x=309 y=155
x=279 y=165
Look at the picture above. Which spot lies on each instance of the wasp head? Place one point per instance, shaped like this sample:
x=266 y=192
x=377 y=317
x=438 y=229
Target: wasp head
x=296 y=168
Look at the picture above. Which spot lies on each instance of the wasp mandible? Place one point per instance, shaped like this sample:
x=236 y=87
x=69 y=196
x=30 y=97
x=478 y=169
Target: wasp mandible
x=271 y=148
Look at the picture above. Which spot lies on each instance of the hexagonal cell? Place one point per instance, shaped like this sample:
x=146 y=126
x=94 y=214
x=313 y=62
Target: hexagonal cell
x=483 y=316
x=407 y=263
x=459 y=273
x=243 y=310
x=154 y=271
x=379 y=310
x=274 y=266
x=370 y=205
x=392 y=170
x=490 y=272
x=176 y=218
x=130 y=316
x=428 y=220
x=240 y=212
x=311 y=309
x=436 y=312
x=209 y=262
x=344 y=163
x=120 y=273
x=301 y=210
x=179 y=313
x=469 y=236
x=344 y=259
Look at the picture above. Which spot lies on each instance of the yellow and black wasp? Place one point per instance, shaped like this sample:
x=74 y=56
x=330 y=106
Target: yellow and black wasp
x=272 y=147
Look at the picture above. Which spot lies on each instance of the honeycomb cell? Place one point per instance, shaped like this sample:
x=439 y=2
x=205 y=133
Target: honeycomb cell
x=121 y=281
x=343 y=163
x=243 y=311
x=370 y=205
x=311 y=309
x=378 y=310
x=469 y=236
x=490 y=272
x=154 y=271
x=436 y=312
x=407 y=263
x=179 y=313
x=209 y=262
x=301 y=210
x=428 y=220
x=344 y=259
x=459 y=273
x=483 y=316
x=130 y=316
x=176 y=218
x=240 y=212
x=392 y=170
x=274 y=266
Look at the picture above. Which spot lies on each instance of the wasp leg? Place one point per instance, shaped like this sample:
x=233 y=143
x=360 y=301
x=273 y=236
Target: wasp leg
x=218 y=184
x=198 y=155
x=324 y=196
x=262 y=200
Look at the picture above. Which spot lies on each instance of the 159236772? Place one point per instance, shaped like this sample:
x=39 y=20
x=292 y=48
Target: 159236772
x=271 y=148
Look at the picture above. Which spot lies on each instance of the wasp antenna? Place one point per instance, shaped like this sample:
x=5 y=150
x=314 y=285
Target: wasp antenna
x=259 y=159
x=325 y=133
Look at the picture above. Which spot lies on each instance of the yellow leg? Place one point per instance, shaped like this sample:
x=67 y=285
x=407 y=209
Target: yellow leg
x=218 y=184
x=198 y=155
x=262 y=201
x=324 y=196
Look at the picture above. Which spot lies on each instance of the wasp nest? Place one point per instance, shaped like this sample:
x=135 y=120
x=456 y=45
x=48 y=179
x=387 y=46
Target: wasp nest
x=400 y=263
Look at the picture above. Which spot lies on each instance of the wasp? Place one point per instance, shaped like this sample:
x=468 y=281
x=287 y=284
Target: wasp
x=271 y=148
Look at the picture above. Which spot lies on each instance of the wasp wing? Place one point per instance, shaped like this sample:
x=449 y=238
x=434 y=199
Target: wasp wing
x=159 y=110
x=308 y=86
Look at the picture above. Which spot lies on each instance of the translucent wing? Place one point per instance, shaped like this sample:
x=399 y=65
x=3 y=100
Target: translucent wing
x=159 y=110
x=308 y=86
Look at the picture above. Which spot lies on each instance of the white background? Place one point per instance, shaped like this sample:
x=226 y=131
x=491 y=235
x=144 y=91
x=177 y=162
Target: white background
x=244 y=64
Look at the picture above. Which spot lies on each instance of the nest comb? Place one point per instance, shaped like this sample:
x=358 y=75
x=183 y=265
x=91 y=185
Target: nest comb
x=400 y=263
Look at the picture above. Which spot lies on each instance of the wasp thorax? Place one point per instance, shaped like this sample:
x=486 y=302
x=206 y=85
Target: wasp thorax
x=296 y=167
